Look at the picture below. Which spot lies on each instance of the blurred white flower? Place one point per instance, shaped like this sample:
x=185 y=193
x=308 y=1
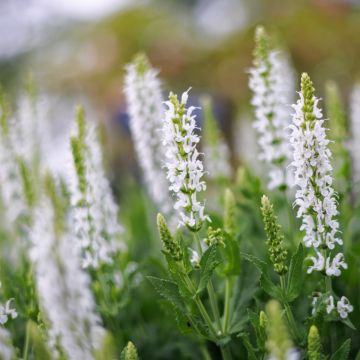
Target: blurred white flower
x=7 y=351
x=95 y=213
x=329 y=304
x=272 y=84
x=355 y=132
x=63 y=287
x=318 y=263
x=145 y=107
x=7 y=312
x=184 y=168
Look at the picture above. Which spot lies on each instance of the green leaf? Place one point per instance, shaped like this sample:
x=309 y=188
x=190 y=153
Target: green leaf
x=251 y=352
x=232 y=256
x=168 y=290
x=265 y=282
x=208 y=263
x=295 y=275
x=343 y=352
x=245 y=289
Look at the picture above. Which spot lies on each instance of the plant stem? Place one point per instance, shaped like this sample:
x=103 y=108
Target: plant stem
x=205 y=352
x=27 y=341
x=228 y=288
x=288 y=311
x=225 y=353
x=211 y=291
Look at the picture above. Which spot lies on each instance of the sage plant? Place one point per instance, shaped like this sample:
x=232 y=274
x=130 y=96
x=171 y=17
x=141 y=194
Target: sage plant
x=146 y=110
x=315 y=196
x=271 y=82
x=95 y=214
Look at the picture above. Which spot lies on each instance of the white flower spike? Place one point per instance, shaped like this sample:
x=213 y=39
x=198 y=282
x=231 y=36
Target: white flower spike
x=184 y=167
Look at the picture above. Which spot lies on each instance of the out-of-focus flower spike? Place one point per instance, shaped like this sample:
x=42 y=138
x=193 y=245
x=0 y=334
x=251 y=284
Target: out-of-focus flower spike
x=354 y=145
x=271 y=81
x=69 y=307
x=217 y=160
x=146 y=111
x=129 y=352
x=314 y=344
x=278 y=344
x=229 y=212
x=95 y=212
x=7 y=351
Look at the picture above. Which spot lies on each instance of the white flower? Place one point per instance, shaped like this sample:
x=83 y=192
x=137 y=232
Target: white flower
x=195 y=258
x=63 y=287
x=6 y=312
x=315 y=196
x=318 y=263
x=355 y=132
x=145 y=107
x=329 y=304
x=7 y=351
x=333 y=267
x=95 y=213
x=344 y=307
x=271 y=81
x=184 y=168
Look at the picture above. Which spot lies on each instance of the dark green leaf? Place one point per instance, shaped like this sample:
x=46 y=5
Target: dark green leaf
x=251 y=351
x=208 y=263
x=343 y=352
x=245 y=289
x=295 y=276
x=168 y=290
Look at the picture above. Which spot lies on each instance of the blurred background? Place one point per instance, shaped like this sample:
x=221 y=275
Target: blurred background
x=77 y=50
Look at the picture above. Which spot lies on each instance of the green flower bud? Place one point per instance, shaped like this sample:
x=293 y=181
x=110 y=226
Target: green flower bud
x=277 y=252
x=171 y=244
x=215 y=236
x=314 y=344
x=229 y=212
x=262 y=46
x=141 y=63
x=308 y=91
x=129 y=352
x=27 y=182
x=263 y=320
x=278 y=342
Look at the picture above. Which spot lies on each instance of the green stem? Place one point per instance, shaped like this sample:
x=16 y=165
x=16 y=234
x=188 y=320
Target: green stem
x=205 y=352
x=228 y=288
x=27 y=342
x=211 y=291
x=225 y=353
x=289 y=315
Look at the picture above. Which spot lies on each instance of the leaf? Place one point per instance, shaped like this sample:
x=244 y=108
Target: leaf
x=168 y=290
x=249 y=348
x=232 y=256
x=245 y=289
x=343 y=352
x=208 y=263
x=265 y=282
x=295 y=275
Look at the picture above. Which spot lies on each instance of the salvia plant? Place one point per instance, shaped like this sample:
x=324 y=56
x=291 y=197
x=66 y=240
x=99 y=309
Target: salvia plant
x=258 y=276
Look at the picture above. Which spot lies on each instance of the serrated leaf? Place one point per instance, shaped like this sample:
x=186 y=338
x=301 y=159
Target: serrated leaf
x=295 y=275
x=245 y=289
x=265 y=282
x=343 y=352
x=208 y=263
x=168 y=290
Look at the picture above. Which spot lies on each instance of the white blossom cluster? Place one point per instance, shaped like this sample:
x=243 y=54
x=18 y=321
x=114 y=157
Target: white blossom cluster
x=7 y=351
x=184 y=168
x=63 y=288
x=315 y=197
x=355 y=132
x=272 y=84
x=146 y=111
x=95 y=213
x=343 y=306
x=7 y=312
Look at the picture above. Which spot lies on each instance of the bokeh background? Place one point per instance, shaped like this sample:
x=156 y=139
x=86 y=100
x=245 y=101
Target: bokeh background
x=77 y=50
